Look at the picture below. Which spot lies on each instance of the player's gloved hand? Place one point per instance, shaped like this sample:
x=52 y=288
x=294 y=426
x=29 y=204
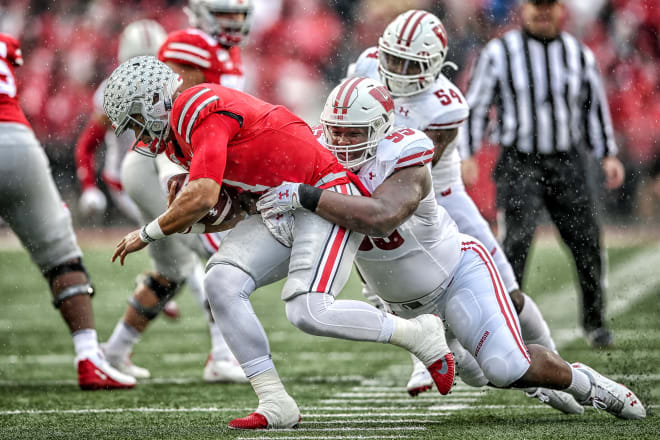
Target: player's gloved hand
x=283 y=198
x=92 y=202
x=281 y=225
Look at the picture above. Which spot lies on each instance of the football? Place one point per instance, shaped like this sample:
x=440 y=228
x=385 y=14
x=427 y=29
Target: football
x=218 y=213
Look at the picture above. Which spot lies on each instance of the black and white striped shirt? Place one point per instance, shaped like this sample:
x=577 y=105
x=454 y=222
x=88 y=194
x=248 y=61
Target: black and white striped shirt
x=548 y=96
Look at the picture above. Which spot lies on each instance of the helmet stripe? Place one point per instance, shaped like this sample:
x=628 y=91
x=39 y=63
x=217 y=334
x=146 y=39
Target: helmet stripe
x=348 y=94
x=338 y=96
x=405 y=25
x=189 y=48
x=414 y=28
x=182 y=116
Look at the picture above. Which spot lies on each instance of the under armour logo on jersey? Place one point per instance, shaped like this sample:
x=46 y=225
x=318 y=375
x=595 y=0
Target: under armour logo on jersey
x=371 y=175
x=284 y=194
x=403 y=111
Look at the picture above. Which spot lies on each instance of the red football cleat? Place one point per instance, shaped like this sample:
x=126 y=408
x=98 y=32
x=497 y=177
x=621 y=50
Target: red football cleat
x=253 y=421
x=442 y=372
x=100 y=375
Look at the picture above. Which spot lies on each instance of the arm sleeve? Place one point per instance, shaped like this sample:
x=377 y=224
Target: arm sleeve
x=209 y=142
x=479 y=96
x=597 y=119
x=88 y=142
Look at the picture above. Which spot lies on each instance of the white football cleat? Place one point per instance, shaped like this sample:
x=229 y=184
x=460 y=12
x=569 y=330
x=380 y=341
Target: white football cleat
x=227 y=371
x=420 y=380
x=559 y=400
x=171 y=310
x=280 y=413
x=95 y=373
x=126 y=366
x=613 y=397
x=432 y=349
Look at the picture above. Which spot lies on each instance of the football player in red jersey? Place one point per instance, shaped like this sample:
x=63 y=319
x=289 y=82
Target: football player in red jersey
x=225 y=137
x=33 y=208
x=209 y=51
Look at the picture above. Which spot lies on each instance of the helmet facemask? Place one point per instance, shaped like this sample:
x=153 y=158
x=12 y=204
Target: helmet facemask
x=407 y=74
x=351 y=156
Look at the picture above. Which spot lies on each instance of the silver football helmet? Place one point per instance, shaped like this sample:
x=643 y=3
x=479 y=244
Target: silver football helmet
x=411 y=52
x=227 y=31
x=142 y=37
x=139 y=96
x=360 y=103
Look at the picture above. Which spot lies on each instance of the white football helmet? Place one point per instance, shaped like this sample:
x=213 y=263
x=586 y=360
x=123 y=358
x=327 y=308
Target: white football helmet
x=142 y=37
x=411 y=52
x=228 y=32
x=139 y=94
x=361 y=103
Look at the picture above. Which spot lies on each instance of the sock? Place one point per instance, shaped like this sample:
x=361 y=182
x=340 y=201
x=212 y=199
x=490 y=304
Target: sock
x=85 y=342
x=121 y=342
x=219 y=349
x=274 y=402
x=533 y=327
x=580 y=387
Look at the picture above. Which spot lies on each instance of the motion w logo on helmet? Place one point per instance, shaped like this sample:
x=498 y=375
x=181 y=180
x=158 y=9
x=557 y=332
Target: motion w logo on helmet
x=382 y=95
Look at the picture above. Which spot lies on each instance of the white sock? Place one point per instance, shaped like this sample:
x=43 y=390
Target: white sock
x=274 y=402
x=122 y=340
x=533 y=327
x=85 y=342
x=580 y=387
x=405 y=332
x=219 y=349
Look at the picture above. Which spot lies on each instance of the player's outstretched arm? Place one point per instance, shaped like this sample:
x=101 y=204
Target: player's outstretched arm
x=390 y=205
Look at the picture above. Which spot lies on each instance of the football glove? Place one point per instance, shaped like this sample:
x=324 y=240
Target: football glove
x=92 y=202
x=281 y=199
x=281 y=225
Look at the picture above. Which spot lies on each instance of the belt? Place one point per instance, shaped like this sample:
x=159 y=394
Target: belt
x=419 y=302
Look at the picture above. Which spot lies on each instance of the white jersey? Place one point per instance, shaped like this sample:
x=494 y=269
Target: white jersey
x=418 y=257
x=440 y=107
x=116 y=147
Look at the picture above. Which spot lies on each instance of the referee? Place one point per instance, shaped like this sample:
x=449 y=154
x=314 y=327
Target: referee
x=550 y=109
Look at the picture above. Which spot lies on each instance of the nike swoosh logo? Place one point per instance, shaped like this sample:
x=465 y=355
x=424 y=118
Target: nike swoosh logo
x=444 y=370
x=100 y=374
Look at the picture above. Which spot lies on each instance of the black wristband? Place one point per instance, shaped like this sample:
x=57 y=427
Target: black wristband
x=309 y=196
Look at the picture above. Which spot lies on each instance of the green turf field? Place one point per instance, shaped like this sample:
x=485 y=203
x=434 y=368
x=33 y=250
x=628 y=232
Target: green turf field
x=346 y=390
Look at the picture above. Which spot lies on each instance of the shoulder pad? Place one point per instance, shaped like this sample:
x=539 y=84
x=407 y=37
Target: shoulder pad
x=10 y=50
x=404 y=148
x=366 y=64
x=190 y=46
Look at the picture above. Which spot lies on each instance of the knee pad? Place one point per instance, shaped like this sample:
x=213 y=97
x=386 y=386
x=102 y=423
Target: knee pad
x=303 y=311
x=70 y=290
x=224 y=282
x=163 y=293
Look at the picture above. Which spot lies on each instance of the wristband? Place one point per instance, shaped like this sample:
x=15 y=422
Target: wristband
x=151 y=232
x=309 y=196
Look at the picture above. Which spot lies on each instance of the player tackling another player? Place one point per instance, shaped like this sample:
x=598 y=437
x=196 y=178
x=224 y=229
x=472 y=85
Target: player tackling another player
x=417 y=262
x=225 y=137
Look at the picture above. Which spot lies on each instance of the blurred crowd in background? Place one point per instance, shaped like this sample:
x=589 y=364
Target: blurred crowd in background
x=298 y=49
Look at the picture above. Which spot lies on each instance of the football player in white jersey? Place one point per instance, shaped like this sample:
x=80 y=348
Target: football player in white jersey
x=415 y=259
x=176 y=260
x=409 y=60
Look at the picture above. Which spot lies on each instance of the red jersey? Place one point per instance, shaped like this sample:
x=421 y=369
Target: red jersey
x=239 y=140
x=10 y=57
x=193 y=47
